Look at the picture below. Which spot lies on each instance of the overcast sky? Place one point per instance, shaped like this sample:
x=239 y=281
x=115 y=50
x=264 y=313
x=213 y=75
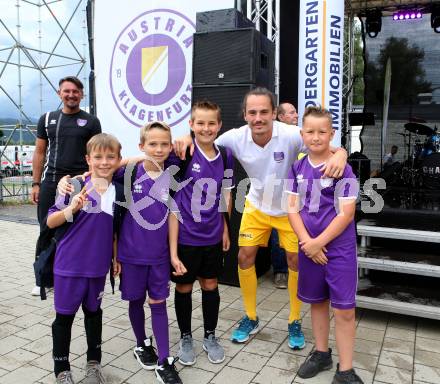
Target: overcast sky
x=36 y=98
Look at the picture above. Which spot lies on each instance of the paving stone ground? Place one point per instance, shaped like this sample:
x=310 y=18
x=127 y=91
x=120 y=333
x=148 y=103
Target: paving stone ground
x=389 y=348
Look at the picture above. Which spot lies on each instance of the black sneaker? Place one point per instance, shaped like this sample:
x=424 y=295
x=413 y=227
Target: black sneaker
x=146 y=355
x=316 y=362
x=167 y=373
x=346 y=377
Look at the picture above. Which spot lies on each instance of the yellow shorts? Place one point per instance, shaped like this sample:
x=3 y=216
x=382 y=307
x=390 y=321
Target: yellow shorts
x=256 y=227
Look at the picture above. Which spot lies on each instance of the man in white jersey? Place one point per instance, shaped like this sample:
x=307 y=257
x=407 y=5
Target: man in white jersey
x=266 y=149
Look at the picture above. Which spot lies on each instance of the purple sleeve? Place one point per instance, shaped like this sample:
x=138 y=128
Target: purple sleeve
x=291 y=179
x=41 y=129
x=173 y=159
x=61 y=202
x=348 y=185
x=230 y=167
x=118 y=176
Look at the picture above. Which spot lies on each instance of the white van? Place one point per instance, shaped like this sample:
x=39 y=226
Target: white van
x=16 y=159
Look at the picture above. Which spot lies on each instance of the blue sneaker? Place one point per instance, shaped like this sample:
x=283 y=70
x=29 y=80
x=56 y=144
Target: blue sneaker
x=296 y=336
x=245 y=328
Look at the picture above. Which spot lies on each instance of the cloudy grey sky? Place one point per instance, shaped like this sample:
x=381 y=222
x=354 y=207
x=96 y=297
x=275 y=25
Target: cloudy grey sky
x=37 y=94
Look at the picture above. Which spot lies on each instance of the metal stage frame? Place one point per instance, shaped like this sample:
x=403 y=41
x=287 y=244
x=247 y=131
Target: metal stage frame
x=23 y=56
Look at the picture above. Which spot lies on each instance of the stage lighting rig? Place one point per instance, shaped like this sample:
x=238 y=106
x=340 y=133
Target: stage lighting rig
x=407 y=14
x=435 y=18
x=373 y=22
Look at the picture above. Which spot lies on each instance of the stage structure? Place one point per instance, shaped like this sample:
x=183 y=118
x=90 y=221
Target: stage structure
x=43 y=40
x=398 y=253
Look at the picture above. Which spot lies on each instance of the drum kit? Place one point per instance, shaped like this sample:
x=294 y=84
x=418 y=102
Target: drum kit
x=421 y=168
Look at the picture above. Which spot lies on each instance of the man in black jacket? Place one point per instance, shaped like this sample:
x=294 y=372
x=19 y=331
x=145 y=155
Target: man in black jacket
x=60 y=146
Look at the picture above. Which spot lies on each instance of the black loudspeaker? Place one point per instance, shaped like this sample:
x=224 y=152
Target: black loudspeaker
x=226 y=65
x=229 y=98
x=240 y=56
x=221 y=19
x=359 y=118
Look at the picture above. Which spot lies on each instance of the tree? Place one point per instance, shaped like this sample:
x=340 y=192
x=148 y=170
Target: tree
x=358 y=68
x=408 y=75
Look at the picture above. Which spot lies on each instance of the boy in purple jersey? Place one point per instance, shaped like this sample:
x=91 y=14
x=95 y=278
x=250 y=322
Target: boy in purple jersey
x=321 y=212
x=83 y=258
x=203 y=234
x=144 y=252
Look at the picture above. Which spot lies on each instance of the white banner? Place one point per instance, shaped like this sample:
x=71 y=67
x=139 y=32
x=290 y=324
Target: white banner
x=320 y=62
x=143 y=64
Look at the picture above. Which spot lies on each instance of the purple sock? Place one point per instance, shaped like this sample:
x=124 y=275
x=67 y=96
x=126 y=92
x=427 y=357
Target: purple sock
x=137 y=319
x=159 y=323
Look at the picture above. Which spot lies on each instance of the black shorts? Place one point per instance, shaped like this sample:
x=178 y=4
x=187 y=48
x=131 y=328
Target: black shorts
x=205 y=262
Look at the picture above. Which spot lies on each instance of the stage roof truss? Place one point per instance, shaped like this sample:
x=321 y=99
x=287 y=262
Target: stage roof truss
x=387 y=7
x=22 y=56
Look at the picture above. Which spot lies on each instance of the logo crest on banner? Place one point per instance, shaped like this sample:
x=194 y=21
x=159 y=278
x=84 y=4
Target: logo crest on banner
x=150 y=71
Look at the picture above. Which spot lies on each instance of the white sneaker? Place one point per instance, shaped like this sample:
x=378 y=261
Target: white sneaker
x=35 y=291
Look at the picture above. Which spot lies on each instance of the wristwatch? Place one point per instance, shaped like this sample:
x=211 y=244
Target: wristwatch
x=34 y=183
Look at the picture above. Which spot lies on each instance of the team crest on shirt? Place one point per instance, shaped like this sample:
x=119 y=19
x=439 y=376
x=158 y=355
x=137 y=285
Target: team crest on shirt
x=196 y=167
x=278 y=156
x=149 y=76
x=299 y=178
x=53 y=121
x=137 y=188
x=326 y=182
x=81 y=122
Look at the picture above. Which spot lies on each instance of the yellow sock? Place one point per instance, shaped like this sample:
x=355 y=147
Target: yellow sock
x=248 y=286
x=295 y=303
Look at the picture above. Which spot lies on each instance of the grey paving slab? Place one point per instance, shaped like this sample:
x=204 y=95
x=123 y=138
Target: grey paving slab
x=389 y=348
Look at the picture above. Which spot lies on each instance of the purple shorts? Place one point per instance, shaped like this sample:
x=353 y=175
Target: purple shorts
x=71 y=292
x=138 y=280
x=336 y=281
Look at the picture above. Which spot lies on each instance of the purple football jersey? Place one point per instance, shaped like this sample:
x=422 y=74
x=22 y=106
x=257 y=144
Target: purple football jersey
x=87 y=247
x=319 y=200
x=143 y=238
x=198 y=202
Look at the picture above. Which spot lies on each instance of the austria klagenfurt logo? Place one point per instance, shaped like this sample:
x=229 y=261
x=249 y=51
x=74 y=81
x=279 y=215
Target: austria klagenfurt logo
x=149 y=73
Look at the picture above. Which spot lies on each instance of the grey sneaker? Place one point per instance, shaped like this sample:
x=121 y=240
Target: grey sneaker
x=186 y=351
x=216 y=354
x=94 y=373
x=65 y=377
x=280 y=280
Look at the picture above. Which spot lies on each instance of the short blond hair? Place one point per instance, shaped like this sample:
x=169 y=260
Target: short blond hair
x=154 y=124
x=102 y=142
x=318 y=111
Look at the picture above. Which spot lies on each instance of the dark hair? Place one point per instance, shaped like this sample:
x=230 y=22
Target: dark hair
x=207 y=106
x=318 y=111
x=259 y=91
x=72 y=79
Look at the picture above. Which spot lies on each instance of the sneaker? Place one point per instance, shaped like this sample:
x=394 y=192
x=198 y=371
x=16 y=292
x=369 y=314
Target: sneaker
x=316 y=362
x=94 y=373
x=36 y=292
x=65 y=377
x=216 y=354
x=146 y=355
x=346 y=377
x=167 y=373
x=296 y=336
x=245 y=328
x=186 y=354
x=280 y=280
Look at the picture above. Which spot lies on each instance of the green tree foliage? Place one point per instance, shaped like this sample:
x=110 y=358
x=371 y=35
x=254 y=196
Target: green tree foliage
x=408 y=75
x=358 y=68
